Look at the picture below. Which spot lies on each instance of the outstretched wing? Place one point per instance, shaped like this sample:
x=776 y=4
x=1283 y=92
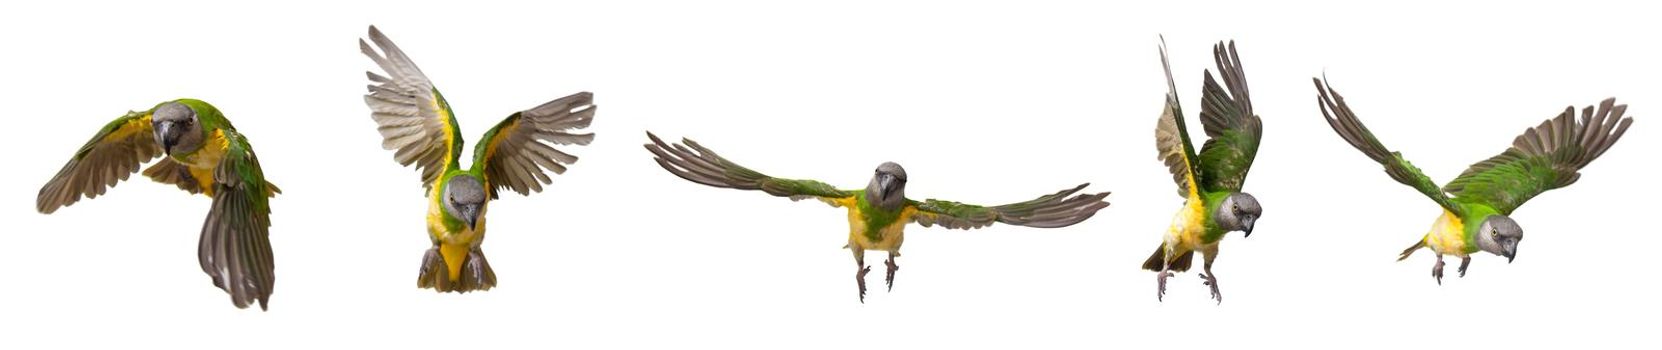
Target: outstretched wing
x=1058 y=209
x=1227 y=117
x=112 y=155
x=1171 y=137
x=1344 y=122
x=235 y=247
x=695 y=163
x=413 y=117
x=1545 y=157
x=514 y=152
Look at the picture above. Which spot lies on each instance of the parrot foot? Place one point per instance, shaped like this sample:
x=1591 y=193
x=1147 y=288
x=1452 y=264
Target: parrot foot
x=1437 y=271
x=861 y=278
x=1464 y=262
x=1212 y=281
x=892 y=269
x=1161 y=278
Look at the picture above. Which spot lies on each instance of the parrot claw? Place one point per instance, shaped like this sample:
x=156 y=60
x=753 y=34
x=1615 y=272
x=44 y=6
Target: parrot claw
x=1212 y=281
x=1437 y=271
x=1464 y=262
x=1161 y=277
x=861 y=278
x=892 y=269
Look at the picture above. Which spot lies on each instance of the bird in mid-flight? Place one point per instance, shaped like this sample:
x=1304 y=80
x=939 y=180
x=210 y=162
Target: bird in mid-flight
x=878 y=214
x=205 y=155
x=1211 y=180
x=417 y=123
x=1478 y=204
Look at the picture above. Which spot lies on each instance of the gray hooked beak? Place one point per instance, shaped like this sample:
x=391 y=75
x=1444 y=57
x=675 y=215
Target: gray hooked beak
x=884 y=183
x=1511 y=252
x=1247 y=223
x=471 y=213
x=168 y=138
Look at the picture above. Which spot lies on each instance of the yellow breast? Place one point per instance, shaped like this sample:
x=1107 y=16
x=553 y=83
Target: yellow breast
x=891 y=235
x=1188 y=225
x=1447 y=235
x=441 y=234
x=205 y=161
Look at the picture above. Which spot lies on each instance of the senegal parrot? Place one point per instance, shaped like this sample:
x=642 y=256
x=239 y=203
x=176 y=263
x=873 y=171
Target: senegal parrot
x=418 y=124
x=1210 y=181
x=1477 y=205
x=878 y=214
x=205 y=155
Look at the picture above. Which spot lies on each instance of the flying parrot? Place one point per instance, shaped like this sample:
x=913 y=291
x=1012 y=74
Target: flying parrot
x=1477 y=205
x=204 y=154
x=416 y=121
x=878 y=214
x=1210 y=181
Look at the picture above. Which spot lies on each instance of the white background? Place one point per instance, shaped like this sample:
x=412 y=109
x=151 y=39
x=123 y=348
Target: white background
x=982 y=104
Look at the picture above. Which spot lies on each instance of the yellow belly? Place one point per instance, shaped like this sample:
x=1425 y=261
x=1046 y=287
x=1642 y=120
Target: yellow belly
x=891 y=235
x=454 y=245
x=1187 y=226
x=1447 y=235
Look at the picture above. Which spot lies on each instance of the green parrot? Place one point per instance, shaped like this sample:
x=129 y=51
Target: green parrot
x=204 y=155
x=1477 y=205
x=878 y=214
x=415 y=121
x=1210 y=181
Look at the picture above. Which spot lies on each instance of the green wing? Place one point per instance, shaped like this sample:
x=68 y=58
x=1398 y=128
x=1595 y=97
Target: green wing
x=1234 y=130
x=112 y=155
x=513 y=154
x=413 y=117
x=1171 y=137
x=1545 y=157
x=1058 y=209
x=235 y=247
x=1344 y=122
x=695 y=163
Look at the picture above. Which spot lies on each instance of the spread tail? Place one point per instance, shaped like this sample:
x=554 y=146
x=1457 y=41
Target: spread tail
x=1156 y=261
x=475 y=273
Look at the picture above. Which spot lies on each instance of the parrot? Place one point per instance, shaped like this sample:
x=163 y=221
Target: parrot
x=1478 y=204
x=878 y=214
x=1210 y=181
x=418 y=125
x=204 y=155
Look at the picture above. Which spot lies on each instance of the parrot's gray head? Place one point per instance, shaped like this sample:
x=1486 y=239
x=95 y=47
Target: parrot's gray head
x=176 y=128
x=464 y=198
x=1238 y=212
x=1499 y=235
x=888 y=186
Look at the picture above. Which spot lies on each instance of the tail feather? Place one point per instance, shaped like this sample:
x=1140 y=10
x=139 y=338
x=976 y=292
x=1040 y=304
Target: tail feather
x=1411 y=249
x=476 y=273
x=1158 y=260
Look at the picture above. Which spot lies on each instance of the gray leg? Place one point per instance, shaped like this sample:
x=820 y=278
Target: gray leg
x=1211 y=279
x=1437 y=270
x=892 y=269
x=1165 y=272
x=1464 y=261
x=860 y=260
